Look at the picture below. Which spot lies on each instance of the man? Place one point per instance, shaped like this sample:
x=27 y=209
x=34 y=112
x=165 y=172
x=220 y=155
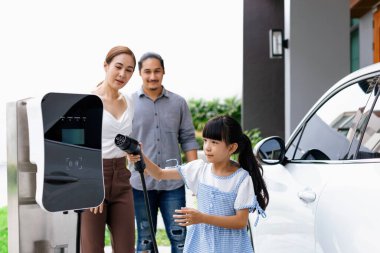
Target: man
x=162 y=123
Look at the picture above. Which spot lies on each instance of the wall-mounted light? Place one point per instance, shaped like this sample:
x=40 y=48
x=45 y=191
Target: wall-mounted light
x=276 y=43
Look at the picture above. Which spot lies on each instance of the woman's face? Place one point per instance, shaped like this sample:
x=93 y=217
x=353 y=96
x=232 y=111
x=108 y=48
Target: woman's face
x=119 y=71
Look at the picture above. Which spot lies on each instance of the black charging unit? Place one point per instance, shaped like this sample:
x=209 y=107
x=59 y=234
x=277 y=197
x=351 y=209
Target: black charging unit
x=65 y=143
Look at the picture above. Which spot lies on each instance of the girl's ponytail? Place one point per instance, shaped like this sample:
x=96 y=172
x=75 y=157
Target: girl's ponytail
x=248 y=162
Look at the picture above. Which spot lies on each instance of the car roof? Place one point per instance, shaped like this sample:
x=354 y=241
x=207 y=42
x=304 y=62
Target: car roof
x=354 y=75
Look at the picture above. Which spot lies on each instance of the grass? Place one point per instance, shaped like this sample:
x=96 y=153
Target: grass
x=3 y=229
x=161 y=238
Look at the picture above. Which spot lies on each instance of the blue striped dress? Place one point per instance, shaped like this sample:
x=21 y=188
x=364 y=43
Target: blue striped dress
x=205 y=238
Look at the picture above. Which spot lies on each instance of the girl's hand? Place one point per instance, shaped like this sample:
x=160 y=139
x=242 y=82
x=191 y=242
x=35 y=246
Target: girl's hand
x=133 y=158
x=98 y=209
x=188 y=216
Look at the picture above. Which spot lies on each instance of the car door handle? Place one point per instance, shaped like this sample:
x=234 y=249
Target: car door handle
x=307 y=196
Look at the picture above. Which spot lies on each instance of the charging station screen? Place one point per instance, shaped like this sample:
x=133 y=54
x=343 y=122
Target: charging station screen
x=72 y=173
x=73 y=136
x=73 y=119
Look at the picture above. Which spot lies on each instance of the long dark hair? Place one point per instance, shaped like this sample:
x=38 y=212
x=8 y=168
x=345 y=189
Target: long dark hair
x=227 y=129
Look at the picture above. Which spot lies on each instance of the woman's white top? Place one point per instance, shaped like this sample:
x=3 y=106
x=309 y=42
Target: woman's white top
x=112 y=127
x=198 y=171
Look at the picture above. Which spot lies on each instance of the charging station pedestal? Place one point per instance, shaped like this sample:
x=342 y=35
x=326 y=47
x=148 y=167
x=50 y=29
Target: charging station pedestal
x=49 y=225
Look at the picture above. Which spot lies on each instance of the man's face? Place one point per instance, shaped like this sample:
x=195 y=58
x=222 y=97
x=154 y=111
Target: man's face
x=152 y=74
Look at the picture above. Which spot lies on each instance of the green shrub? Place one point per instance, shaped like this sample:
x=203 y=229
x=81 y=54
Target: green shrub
x=254 y=135
x=203 y=110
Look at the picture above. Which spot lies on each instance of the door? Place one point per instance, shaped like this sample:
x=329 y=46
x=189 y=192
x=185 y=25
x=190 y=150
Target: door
x=317 y=153
x=348 y=210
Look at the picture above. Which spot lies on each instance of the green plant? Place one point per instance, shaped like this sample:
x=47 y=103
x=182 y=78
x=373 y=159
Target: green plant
x=203 y=110
x=3 y=229
x=254 y=135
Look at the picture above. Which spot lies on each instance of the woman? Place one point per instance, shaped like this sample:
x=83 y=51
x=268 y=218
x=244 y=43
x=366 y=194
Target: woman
x=117 y=210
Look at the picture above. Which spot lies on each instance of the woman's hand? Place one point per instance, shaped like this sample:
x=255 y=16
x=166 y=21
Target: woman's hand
x=188 y=216
x=98 y=209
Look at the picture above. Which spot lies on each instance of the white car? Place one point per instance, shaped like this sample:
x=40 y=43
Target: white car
x=324 y=183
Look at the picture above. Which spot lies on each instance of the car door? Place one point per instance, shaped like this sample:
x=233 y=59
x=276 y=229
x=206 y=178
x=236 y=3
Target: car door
x=316 y=154
x=347 y=216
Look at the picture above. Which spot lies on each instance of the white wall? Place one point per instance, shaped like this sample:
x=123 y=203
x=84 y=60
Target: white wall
x=318 y=54
x=366 y=40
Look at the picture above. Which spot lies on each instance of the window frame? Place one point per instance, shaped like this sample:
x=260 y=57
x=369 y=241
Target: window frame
x=363 y=128
x=299 y=131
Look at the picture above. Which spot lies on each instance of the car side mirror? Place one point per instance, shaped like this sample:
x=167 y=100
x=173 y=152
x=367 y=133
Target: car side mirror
x=270 y=150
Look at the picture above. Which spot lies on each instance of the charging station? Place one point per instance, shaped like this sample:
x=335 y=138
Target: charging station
x=54 y=165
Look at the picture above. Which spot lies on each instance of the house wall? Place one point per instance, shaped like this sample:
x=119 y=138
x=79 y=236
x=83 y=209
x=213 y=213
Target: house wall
x=263 y=78
x=365 y=40
x=318 y=54
x=277 y=93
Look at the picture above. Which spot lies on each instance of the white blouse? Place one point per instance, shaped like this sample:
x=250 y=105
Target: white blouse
x=112 y=127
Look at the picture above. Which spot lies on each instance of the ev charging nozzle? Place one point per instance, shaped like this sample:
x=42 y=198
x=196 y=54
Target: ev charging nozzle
x=131 y=146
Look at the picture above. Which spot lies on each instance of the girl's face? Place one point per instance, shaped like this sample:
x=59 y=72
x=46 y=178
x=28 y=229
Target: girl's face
x=216 y=151
x=119 y=71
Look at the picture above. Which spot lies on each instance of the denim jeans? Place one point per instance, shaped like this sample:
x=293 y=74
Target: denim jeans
x=167 y=201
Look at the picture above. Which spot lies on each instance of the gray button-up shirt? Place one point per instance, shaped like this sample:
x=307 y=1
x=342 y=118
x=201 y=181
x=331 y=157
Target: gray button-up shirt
x=162 y=126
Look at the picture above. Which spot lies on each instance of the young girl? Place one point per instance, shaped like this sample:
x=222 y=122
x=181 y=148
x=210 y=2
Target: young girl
x=226 y=190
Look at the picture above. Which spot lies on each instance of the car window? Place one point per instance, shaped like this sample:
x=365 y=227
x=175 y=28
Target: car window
x=328 y=133
x=370 y=140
